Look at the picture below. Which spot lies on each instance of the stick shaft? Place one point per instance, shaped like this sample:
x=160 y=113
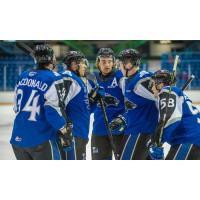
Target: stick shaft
x=188 y=82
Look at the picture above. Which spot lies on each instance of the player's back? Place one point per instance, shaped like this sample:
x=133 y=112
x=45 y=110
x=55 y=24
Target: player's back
x=184 y=124
x=36 y=106
x=142 y=114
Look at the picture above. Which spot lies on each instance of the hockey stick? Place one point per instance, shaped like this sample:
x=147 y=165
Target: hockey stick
x=188 y=82
x=93 y=78
x=26 y=49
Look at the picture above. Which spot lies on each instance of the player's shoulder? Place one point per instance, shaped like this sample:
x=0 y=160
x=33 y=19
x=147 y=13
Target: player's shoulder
x=47 y=76
x=51 y=75
x=173 y=90
x=144 y=74
x=67 y=73
x=142 y=78
x=70 y=75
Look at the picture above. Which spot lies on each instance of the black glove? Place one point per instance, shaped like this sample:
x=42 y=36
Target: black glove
x=96 y=93
x=118 y=125
x=65 y=135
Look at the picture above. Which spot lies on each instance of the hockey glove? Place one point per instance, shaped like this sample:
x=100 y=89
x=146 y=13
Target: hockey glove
x=96 y=93
x=118 y=125
x=65 y=135
x=156 y=153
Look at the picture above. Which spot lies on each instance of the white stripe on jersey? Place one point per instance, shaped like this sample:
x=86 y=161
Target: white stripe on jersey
x=74 y=89
x=89 y=87
x=51 y=97
x=122 y=84
x=189 y=152
x=177 y=152
x=140 y=90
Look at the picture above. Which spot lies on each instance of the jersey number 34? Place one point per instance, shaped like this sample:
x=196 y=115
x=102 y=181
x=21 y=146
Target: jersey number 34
x=30 y=106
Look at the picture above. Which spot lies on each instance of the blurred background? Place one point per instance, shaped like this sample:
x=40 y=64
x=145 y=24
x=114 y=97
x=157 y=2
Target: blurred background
x=156 y=54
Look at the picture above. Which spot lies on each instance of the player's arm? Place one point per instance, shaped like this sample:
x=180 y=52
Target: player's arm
x=72 y=88
x=54 y=110
x=143 y=89
x=122 y=84
x=15 y=107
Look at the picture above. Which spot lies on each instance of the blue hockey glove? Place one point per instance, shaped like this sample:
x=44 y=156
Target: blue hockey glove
x=118 y=125
x=156 y=153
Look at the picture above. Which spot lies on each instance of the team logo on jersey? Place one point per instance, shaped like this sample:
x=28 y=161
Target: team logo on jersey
x=56 y=74
x=18 y=139
x=95 y=150
x=114 y=83
x=142 y=73
x=67 y=72
x=129 y=105
x=62 y=94
x=110 y=100
x=32 y=73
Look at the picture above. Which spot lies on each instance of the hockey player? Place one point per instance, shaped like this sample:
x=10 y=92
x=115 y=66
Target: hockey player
x=109 y=84
x=180 y=118
x=141 y=111
x=38 y=108
x=77 y=103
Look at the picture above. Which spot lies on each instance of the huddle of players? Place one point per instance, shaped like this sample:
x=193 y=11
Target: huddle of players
x=143 y=109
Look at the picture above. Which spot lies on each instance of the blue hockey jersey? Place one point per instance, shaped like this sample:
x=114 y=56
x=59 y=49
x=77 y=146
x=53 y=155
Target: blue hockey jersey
x=77 y=104
x=37 y=107
x=183 y=118
x=141 y=110
x=114 y=101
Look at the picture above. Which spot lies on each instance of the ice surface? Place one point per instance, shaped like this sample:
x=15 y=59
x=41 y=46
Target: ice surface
x=6 y=122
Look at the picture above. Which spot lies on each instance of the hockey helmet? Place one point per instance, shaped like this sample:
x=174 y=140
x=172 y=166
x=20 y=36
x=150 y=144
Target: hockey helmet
x=106 y=52
x=132 y=54
x=163 y=76
x=44 y=54
x=73 y=56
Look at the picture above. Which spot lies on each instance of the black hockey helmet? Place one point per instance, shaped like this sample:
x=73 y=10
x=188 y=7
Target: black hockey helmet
x=106 y=52
x=44 y=54
x=163 y=76
x=73 y=56
x=132 y=54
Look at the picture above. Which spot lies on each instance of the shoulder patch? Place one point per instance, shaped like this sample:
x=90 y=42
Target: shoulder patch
x=56 y=73
x=67 y=72
x=143 y=73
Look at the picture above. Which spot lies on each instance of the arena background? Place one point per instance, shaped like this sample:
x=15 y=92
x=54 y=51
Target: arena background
x=156 y=54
